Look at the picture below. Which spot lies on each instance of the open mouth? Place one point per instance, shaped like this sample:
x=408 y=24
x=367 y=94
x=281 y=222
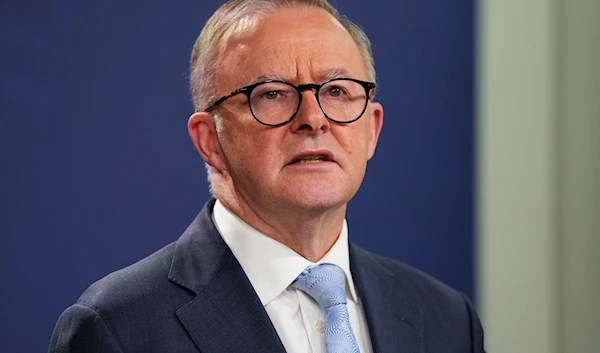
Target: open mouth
x=315 y=159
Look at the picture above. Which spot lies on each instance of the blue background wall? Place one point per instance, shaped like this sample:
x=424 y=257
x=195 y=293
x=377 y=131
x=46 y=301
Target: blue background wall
x=97 y=170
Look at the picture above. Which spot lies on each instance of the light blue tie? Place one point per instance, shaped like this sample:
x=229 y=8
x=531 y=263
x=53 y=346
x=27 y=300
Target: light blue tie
x=326 y=284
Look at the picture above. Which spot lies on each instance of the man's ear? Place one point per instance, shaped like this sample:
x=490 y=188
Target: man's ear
x=203 y=132
x=376 y=125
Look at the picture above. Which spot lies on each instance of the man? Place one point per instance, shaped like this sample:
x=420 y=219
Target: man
x=285 y=123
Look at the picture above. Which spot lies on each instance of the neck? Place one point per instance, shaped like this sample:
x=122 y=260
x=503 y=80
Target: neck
x=310 y=233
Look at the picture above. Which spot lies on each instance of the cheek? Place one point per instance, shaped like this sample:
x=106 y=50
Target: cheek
x=233 y=146
x=250 y=151
x=355 y=142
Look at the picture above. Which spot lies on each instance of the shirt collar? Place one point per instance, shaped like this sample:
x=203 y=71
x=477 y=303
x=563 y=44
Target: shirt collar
x=270 y=265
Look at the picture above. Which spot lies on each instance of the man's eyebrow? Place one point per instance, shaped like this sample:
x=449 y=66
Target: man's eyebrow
x=268 y=77
x=322 y=76
x=335 y=73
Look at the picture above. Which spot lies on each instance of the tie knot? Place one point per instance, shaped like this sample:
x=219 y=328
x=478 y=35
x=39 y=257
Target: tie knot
x=325 y=283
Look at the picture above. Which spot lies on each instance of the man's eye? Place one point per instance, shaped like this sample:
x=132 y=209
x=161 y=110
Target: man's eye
x=334 y=91
x=271 y=94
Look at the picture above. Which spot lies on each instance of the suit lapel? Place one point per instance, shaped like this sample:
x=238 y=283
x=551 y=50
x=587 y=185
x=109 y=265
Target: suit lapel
x=395 y=324
x=226 y=315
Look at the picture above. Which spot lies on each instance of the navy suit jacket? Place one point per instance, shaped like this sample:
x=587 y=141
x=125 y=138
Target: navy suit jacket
x=193 y=296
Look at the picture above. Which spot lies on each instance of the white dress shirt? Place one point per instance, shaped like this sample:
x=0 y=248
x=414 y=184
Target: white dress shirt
x=271 y=267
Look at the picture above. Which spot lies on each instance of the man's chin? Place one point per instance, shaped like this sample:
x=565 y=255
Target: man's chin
x=319 y=199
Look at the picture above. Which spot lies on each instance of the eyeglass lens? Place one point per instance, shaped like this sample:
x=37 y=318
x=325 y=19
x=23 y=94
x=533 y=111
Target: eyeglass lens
x=275 y=102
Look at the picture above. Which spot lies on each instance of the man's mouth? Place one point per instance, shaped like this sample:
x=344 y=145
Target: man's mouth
x=315 y=159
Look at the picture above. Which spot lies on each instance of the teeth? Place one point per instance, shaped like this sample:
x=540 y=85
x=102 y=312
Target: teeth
x=310 y=160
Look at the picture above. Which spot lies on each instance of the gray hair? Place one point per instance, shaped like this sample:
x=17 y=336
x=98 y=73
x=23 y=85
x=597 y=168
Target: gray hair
x=239 y=16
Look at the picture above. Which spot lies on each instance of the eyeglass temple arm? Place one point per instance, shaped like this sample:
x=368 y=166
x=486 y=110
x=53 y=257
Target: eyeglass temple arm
x=224 y=98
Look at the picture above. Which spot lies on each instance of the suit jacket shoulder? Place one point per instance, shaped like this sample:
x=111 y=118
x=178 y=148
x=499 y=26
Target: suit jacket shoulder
x=406 y=307
x=192 y=295
x=129 y=310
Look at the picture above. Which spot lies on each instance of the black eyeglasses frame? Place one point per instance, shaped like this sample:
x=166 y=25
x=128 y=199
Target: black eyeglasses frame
x=247 y=90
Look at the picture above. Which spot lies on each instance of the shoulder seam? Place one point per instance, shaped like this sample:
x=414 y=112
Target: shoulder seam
x=101 y=319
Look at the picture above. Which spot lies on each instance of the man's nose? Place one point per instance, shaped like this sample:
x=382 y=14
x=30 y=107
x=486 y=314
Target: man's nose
x=310 y=117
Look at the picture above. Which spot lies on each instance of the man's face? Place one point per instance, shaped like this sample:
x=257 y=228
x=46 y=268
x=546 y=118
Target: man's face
x=298 y=46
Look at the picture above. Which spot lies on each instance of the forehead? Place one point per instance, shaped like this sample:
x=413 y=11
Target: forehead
x=301 y=44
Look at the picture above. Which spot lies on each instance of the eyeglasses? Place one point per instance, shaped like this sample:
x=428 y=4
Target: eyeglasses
x=274 y=103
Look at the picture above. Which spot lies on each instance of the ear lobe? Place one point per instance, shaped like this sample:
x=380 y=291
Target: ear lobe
x=203 y=132
x=376 y=125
